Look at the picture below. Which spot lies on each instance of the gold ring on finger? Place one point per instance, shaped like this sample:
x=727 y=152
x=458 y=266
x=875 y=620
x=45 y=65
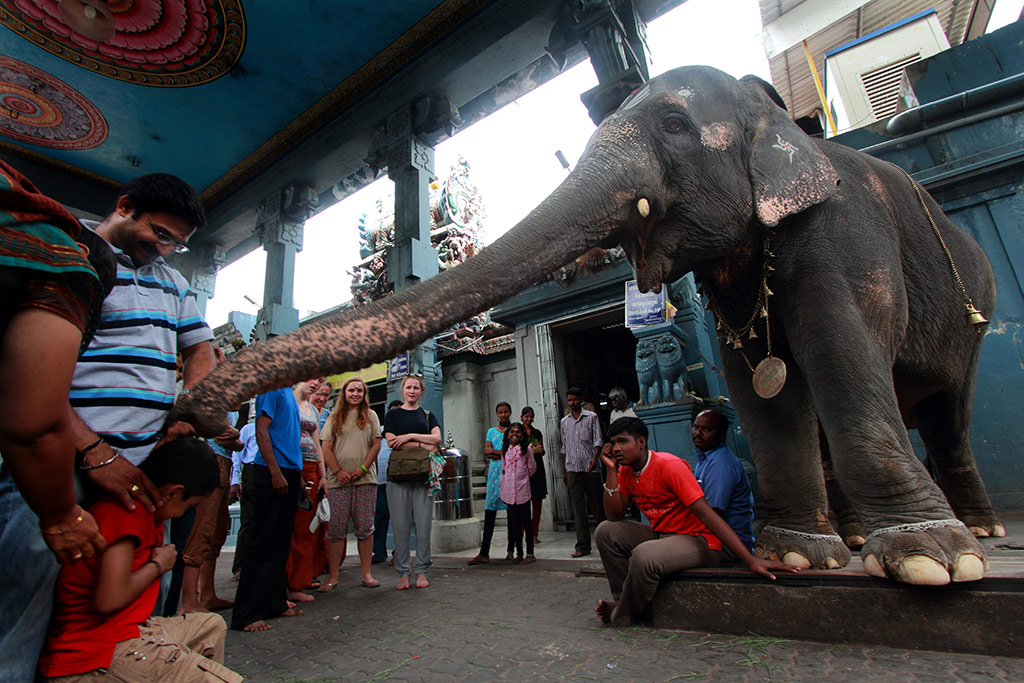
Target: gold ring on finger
x=77 y=556
x=135 y=488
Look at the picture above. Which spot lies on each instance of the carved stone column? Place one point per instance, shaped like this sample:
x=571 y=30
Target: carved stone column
x=404 y=144
x=280 y=226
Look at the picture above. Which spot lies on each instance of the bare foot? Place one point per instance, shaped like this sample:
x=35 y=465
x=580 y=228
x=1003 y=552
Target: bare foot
x=299 y=596
x=289 y=603
x=257 y=626
x=529 y=559
x=291 y=612
x=216 y=604
x=421 y=581
x=604 y=611
x=403 y=583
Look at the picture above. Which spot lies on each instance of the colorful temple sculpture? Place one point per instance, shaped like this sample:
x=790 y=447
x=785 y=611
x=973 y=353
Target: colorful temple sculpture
x=456 y=219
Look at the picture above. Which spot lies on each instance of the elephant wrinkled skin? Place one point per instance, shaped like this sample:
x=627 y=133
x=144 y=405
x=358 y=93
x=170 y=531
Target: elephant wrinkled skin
x=865 y=312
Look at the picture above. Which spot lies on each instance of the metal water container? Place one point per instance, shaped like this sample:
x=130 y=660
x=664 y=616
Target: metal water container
x=455 y=499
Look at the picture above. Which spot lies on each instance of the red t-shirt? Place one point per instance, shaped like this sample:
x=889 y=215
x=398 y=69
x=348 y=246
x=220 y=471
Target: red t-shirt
x=664 y=491
x=81 y=640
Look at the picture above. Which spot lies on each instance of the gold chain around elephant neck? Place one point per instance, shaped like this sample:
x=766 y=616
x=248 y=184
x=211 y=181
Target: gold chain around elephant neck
x=734 y=335
x=770 y=374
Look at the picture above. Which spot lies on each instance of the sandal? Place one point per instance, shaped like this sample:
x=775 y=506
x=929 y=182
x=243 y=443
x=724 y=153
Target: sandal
x=529 y=559
x=328 y=587
x=374 y=584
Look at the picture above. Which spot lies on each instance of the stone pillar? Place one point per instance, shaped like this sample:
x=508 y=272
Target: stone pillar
x=280 y=226
x=200 y=269
x=700 y=349
x=410 y=164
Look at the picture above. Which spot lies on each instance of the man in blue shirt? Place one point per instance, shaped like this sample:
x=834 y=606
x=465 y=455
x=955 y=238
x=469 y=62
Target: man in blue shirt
x=277 y=484
x=720 y=474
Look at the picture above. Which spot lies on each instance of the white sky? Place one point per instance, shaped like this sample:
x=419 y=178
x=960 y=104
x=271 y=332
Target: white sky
x=512 y=152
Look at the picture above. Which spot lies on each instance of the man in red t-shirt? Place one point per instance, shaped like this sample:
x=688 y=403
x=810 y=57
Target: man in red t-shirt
x=684 y=530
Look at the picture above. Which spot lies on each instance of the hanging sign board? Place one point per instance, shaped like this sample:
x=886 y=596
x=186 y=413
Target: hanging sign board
x=644 y=308
x=398 y=367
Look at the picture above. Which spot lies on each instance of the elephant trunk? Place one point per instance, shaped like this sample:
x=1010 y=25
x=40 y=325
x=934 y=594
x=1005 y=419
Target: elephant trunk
x=573 y=219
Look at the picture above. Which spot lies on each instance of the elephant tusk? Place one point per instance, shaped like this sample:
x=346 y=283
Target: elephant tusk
x=644 y=207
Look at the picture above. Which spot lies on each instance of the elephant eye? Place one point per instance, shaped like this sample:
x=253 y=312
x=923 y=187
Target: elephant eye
x=674 y=123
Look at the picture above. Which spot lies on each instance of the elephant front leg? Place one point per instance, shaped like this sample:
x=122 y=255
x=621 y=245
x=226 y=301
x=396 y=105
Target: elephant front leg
x=913 y=534
x=783 y=437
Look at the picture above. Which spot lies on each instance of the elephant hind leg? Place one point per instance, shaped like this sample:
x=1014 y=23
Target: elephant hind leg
x=944 y=425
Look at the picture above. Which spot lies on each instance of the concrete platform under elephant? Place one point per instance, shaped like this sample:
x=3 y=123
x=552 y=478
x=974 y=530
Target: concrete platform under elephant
x=847 y=606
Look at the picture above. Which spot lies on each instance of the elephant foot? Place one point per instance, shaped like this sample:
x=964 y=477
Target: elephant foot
x=984 y=526
x=853 y=534
x=929 y=553
x=805 y=550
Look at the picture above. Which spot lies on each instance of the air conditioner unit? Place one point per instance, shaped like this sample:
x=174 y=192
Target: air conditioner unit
x=863 y=78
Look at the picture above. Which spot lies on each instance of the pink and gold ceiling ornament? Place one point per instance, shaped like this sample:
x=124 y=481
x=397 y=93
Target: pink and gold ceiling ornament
x=167 y=43
x=38 y=109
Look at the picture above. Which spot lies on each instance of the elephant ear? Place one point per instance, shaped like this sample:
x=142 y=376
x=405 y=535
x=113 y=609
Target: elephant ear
x=788 y=173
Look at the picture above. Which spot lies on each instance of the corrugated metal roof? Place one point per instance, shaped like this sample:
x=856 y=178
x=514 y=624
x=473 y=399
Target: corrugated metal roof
x=791 y=75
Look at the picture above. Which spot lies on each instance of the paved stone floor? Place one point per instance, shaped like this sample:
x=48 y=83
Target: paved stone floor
x=515 y=623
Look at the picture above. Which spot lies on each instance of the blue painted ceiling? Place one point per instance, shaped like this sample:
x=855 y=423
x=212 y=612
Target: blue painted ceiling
x=240 y=98
x=294 y=54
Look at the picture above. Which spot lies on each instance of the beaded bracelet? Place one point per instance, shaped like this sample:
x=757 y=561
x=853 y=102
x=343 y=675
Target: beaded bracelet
x=60 y=532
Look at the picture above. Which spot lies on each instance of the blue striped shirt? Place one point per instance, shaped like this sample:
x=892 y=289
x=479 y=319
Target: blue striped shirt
x=124 y=382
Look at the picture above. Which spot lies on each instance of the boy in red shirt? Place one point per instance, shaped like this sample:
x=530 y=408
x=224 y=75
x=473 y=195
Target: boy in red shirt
x=101 y=624
x=685 y=532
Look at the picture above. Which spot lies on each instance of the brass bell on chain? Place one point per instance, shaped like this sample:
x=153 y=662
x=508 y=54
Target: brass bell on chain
x=973 y=317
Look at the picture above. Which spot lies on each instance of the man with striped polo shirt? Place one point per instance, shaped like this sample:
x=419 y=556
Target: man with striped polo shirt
x=581 y=446
x=123 y=385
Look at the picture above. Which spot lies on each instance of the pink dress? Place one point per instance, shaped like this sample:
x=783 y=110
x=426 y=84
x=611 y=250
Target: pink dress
x=516 y=469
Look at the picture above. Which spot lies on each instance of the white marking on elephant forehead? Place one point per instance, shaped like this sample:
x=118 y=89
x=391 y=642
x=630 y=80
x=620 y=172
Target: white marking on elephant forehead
x=717 y=136
x=686 y=92
x=785 y=146
x=636 y=98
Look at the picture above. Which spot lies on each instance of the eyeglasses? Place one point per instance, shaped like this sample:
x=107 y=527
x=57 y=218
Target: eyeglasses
x=165 y=239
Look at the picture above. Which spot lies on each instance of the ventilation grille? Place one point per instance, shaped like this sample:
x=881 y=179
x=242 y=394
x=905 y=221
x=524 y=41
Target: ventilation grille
x=882 y=86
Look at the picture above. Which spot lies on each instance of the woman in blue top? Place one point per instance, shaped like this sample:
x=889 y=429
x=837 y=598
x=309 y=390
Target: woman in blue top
x=410 y=502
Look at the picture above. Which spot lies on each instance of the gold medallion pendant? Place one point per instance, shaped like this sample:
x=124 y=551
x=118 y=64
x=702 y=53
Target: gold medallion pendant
x=769 y=377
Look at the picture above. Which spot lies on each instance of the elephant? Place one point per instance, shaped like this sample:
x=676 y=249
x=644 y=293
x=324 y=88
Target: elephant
x=826 y=255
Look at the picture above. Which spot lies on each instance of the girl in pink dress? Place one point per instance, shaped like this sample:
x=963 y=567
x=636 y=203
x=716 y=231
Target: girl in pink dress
x=517 y=465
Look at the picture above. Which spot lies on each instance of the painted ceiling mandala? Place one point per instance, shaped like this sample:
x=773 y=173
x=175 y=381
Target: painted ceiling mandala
x=169 y=43
x=38 y=109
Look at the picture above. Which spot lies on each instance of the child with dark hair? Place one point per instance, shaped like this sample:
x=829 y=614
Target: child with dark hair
x=101 y=625
x=517 y=466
